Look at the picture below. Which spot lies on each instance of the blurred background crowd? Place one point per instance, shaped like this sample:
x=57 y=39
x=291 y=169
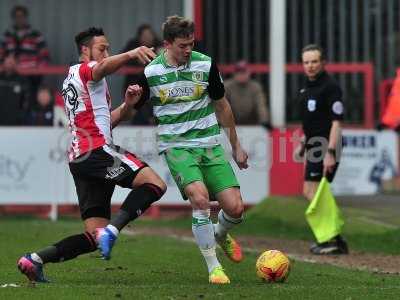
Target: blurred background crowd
x=35 y=100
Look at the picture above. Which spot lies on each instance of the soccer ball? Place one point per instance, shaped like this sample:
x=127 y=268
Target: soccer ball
x=273 y=266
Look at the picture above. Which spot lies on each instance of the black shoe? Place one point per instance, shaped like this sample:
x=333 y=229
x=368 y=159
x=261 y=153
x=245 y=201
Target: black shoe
x=333 y=247
x=342 y=244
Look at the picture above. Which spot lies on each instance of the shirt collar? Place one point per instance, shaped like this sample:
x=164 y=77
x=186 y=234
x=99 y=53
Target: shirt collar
x=320 y=77
x=166 y=65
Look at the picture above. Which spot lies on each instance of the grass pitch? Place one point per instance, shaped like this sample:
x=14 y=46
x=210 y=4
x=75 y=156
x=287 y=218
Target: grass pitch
x=282 y=217
x=163 y=268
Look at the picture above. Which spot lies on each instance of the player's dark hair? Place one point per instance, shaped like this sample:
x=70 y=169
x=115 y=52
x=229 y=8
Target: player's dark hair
x=314 y=47
x=85 y=37
x=18 y=8
x=177 y=27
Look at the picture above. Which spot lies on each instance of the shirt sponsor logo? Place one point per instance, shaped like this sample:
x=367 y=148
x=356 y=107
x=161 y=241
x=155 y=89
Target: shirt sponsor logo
x=311 y=104
x=337 y=107
x=70 y=95
x=180 y=92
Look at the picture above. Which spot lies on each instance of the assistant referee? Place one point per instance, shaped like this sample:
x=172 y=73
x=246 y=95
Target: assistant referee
x=322 y=112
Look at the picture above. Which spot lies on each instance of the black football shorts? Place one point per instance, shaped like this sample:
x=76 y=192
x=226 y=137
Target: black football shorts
x=97 y=173
x=314 y=167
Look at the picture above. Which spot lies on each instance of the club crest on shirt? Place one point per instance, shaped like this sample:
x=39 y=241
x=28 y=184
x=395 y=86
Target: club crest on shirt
x=197 y=76
x=311 y=104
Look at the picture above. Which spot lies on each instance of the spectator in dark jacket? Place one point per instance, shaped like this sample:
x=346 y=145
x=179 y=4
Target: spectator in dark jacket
x=14 y=93
x=42 y=114
x=145 y=36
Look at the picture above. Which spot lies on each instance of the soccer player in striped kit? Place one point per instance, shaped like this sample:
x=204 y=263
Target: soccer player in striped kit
x=189 y=106
x=96 y=164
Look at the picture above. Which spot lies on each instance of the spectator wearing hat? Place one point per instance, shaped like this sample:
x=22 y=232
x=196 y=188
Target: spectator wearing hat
x=246 y=97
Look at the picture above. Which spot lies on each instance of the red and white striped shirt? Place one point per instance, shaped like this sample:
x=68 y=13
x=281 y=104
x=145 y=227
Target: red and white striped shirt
x=88 y=109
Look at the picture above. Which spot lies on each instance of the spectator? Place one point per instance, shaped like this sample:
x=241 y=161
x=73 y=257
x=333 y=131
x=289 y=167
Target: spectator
x=246 y=97
x=391 y=116
x=26 y=43
x=145 y=36
x=42 y=114
x=14 y=93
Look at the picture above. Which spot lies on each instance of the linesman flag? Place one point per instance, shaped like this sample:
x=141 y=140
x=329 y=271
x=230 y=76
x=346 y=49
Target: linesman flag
x=323 y=215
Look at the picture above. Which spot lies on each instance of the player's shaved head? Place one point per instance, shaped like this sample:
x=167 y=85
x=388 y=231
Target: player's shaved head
x=85 y=37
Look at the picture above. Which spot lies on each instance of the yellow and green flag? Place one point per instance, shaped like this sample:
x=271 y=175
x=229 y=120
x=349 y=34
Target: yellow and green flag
x=323 y=215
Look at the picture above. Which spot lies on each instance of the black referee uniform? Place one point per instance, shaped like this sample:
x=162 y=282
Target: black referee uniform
x=321 y=103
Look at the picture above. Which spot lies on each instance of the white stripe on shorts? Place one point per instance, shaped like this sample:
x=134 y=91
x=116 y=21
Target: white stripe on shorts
x=122 y=156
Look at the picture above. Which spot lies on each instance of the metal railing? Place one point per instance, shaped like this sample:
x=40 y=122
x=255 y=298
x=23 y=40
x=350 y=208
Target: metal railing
x=365 y=31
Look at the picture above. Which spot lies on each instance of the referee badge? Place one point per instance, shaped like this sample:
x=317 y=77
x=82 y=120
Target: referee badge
x=337 y=107
x=311 y=104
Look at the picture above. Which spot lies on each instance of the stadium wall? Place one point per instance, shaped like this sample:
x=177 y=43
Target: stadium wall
x=41 y=175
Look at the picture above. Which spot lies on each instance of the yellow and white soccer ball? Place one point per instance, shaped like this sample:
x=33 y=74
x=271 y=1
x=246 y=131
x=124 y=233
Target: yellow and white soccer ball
x=273 y=266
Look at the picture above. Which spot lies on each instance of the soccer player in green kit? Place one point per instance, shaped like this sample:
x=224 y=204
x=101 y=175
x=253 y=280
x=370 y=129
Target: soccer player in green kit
x=189 y=106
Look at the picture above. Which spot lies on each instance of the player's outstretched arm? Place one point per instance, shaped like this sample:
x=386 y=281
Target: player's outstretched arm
x=225 y=118
x=127 y=110
x=111 y=64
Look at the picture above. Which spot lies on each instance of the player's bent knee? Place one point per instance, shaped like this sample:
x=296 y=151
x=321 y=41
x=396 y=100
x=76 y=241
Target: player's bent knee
x=158 y=190
x=200 y=202
x=162 y=185
x=236 y=211
x=148 y=175
x=239 y=210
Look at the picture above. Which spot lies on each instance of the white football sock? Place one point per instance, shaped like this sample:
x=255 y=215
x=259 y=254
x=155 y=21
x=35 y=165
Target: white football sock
x=225 y=223
x=36 y=258
x=203 y=232
x=113 y=229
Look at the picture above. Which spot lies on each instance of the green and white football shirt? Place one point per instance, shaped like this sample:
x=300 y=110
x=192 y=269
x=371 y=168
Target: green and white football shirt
x=182 y=101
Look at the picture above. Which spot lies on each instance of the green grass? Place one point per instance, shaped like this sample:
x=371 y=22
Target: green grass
x=163 y=268
x=284 y=218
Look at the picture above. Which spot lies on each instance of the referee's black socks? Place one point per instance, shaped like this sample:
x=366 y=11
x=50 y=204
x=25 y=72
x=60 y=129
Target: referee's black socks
x=136 y=203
